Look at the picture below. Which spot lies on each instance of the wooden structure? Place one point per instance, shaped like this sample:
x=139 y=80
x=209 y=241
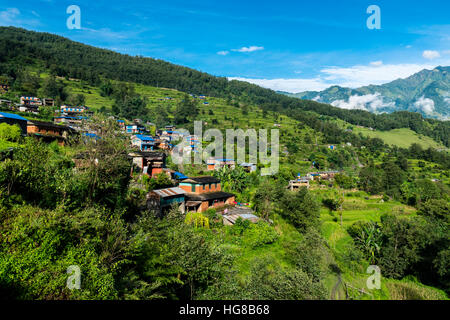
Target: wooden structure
x=239 y=212
x=49 y=132
x=160 y=201
x=149 y=162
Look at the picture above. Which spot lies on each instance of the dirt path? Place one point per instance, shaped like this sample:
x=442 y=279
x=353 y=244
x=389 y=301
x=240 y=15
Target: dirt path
x=335 y=288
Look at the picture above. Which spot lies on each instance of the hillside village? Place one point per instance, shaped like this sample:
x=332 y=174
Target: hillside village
x=88 y=177
x=148 y=155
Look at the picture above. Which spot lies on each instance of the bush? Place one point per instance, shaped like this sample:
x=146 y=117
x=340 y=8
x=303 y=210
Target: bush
x=259 y=234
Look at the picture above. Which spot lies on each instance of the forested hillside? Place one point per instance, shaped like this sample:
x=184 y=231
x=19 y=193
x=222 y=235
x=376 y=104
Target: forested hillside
x=75 y=60
x=426 y=92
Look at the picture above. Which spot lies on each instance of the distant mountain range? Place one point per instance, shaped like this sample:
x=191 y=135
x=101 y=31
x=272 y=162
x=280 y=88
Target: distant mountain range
x=426 y=92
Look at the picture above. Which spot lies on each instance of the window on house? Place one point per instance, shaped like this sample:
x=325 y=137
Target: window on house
x=193 y=188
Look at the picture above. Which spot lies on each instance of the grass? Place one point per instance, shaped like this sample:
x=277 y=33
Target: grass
x=361 y=207
x=402 y=138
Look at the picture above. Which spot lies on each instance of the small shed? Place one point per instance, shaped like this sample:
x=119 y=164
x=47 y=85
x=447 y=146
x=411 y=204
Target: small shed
x=162 y=200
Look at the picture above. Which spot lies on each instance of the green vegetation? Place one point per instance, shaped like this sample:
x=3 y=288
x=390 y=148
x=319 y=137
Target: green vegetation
x=78 y=204
x=402 y=138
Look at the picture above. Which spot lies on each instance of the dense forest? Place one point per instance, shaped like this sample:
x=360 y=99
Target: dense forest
x=75 y=60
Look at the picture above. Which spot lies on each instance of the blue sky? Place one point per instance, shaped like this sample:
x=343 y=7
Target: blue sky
x=285 y=45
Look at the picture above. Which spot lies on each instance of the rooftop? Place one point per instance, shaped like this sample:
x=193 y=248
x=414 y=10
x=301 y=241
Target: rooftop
x=201 y=180
x=12 y=116
x=209 y=196
x=169 y=192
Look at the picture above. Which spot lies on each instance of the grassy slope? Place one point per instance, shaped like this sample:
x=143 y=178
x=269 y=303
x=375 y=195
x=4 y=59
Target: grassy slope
x=400 y=137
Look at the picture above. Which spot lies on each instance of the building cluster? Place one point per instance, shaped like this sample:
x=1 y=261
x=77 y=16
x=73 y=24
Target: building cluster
x=304 y=181
x=148 y=156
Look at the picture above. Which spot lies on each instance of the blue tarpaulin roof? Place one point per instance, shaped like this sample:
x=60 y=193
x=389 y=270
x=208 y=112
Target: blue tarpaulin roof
x=144 y=138
x=179 y=175
x=12 y=116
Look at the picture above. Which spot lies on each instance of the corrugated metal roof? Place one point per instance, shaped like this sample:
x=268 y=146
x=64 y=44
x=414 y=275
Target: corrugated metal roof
x=169 y=192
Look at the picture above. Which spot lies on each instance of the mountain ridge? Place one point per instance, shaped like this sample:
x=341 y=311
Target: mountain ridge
x=426 y=92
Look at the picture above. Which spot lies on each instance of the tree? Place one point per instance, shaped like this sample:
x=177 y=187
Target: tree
x=370 y=179
x=186 y=110
x=344 y=181
x=402 y=241
x=108 y=173
x=160 y=181
x=368 y=238
x=106 y=89
x=77 y=99
x=10 y=132
x=300 y=209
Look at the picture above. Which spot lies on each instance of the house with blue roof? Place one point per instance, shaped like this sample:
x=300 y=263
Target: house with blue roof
x=14 y=119
x=143 y=142
x=135 y=128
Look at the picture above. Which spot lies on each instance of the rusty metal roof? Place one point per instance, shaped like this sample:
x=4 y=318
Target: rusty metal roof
x=170 y=192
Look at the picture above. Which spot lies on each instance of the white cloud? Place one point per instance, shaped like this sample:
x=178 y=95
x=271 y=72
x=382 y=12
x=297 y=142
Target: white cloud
x=288 y=85
x=8 y=16
x=425 y=104
x=351 y=77
x=431 y=54
x=248 y=49
x=369 y=102
x=359 y=75
x=376 y=63
x=223 y=53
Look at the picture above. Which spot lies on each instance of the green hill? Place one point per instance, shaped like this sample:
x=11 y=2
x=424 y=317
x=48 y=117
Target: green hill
x=66 y=58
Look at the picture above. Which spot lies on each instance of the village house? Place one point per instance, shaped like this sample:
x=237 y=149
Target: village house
x=205 y=192
x=325 y=175
x=73 y=110
x=48 y=131
x=295 y=185
x=48 y=102
x=30 y=101
x=14 y=119
x=29 y=108
x=160 y=201
x=72 y=121
x=219 y=163
x=135 y=129
x=149 y=162
x=144 y=143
